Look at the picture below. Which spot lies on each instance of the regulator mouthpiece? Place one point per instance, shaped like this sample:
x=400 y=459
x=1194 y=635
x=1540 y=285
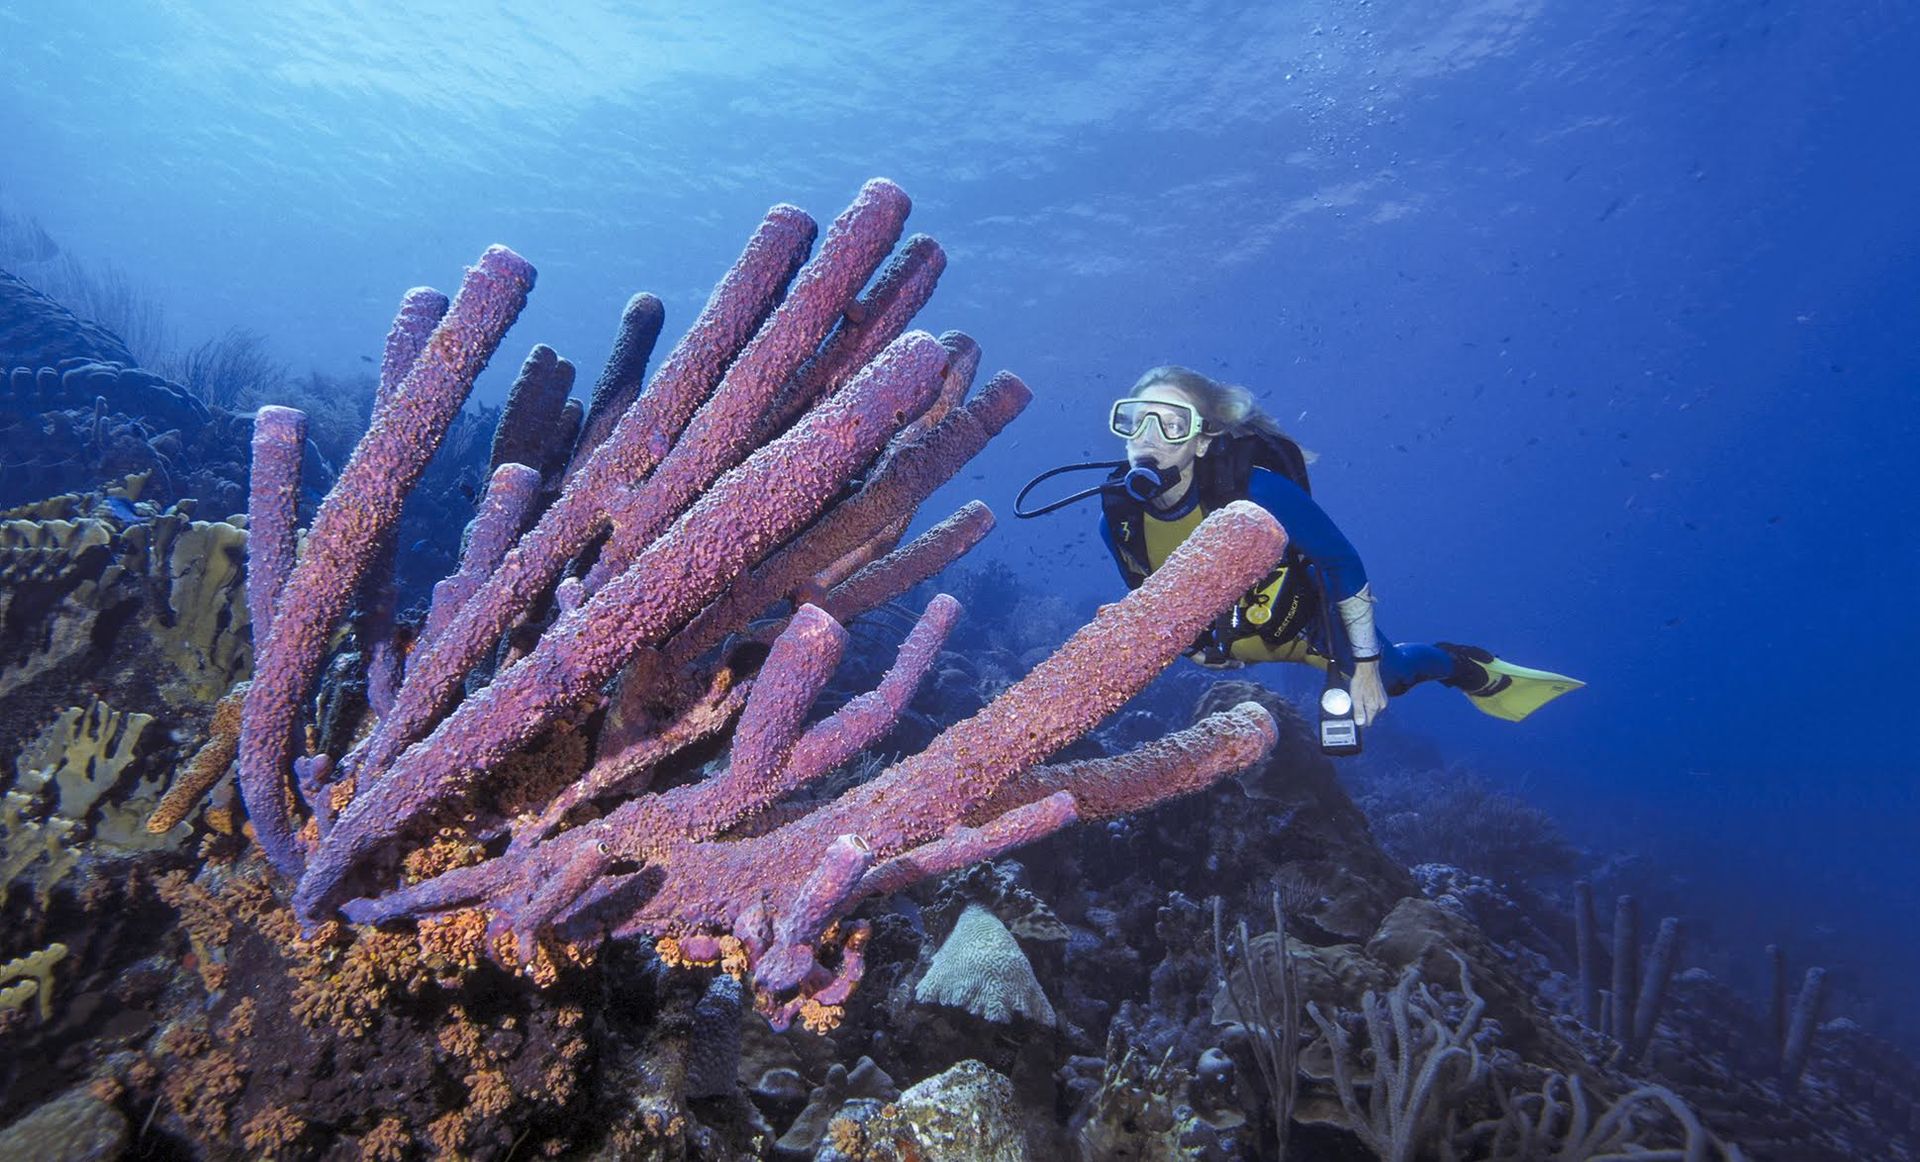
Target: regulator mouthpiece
x=1143 y=482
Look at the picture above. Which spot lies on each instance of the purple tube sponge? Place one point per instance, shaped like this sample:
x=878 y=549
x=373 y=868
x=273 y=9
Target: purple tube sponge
x=421 y=310
x=744 y=515
x=640 y=439
x=722 y=432
x=620 y=381
x=908 y=476
x=532 y=426
x=899 y=571
x=511 y=491
x=279 y=442
x=354 y=519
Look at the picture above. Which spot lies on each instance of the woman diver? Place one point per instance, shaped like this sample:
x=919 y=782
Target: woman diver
x=1193 y=445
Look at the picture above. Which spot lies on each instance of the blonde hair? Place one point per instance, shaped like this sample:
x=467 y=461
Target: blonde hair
x=1226 y=409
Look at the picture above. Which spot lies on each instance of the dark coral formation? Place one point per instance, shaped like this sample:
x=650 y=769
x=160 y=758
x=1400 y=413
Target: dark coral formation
x=35 y=331
x=76 y=411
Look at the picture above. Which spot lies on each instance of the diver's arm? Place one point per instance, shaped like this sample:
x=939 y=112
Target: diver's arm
x=1356 y=614
x=1369 y=693
x=1313 y=532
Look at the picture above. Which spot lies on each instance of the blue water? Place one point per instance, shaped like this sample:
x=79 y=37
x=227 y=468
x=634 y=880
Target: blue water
x=1601 y=315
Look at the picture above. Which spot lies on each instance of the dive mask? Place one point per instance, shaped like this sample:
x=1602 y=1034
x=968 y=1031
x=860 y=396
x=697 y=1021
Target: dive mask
x=1178 y=422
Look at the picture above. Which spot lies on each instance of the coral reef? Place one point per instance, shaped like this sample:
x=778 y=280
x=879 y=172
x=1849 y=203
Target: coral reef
x=1264 y=996
x=32 y=977
x=738 y=507
x=36 y=331
x=1420 y=1061
x=1456 y=817
x=87 y=776
x=967 y=1114
x=980 y=968
x=592 y=761
x=639 y=833
x=78 y=1125
x=110 y=592
x=76 y=411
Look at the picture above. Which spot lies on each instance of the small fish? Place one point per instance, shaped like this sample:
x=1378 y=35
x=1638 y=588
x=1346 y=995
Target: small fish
x=366 y=359
x=122 y=509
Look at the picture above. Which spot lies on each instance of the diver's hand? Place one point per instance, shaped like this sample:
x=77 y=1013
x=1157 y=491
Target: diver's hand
x=1369 y=696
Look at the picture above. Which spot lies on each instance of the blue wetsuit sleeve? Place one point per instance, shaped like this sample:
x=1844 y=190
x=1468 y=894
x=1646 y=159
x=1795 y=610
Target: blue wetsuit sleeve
x=1311 y=531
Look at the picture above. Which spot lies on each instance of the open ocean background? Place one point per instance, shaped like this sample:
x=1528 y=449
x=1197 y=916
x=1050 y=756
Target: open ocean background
x=1601 y=316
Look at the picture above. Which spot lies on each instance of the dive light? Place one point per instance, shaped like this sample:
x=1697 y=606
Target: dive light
x=1339 y=733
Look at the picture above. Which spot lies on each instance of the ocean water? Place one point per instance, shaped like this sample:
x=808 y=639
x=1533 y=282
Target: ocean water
x=1601 y=317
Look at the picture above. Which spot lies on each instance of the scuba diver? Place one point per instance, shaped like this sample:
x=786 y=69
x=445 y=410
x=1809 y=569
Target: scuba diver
x=1193 y=445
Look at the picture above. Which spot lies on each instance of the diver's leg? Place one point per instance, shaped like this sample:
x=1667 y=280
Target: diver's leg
x=1404 y=665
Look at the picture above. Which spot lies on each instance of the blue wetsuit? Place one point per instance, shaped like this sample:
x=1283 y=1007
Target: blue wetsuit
x=1313 y=539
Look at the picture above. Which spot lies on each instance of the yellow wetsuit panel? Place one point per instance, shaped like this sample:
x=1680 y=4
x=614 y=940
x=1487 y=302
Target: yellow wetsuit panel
x=1164 y=536
x=1256 y=649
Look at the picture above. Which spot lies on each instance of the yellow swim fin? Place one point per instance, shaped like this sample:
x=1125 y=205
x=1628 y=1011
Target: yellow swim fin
x=1517 y=691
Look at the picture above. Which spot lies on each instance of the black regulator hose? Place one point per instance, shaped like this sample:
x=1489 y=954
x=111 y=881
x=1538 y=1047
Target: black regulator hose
x=1103 y=465
x=1142 y=482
